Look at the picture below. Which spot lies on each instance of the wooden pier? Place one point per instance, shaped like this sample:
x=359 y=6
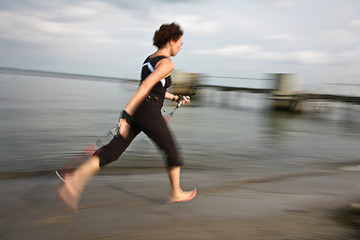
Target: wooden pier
x=285 y=96
x=292 y=102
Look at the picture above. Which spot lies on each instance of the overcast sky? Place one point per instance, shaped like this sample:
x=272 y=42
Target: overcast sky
x=319 y=39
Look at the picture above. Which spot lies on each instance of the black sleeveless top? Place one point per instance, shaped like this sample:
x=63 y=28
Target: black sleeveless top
x=158 y=91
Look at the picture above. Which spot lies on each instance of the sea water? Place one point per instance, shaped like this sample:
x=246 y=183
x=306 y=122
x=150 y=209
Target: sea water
x=47 y=120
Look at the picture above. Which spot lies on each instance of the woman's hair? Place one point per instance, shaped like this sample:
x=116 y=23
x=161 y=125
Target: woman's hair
x=166 y=33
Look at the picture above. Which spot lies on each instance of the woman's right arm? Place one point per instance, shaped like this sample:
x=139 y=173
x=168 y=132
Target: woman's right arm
x=162 y=70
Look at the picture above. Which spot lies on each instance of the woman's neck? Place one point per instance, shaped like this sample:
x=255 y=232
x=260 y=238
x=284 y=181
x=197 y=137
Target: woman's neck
x=162 y=52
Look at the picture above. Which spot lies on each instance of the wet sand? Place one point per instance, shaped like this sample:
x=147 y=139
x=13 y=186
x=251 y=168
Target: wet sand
x=228 y=206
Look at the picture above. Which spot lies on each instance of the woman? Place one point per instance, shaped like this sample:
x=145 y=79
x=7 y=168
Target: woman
x=142 y=113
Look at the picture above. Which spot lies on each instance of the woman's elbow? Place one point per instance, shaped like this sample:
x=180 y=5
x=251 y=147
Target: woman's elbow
x=144 y=88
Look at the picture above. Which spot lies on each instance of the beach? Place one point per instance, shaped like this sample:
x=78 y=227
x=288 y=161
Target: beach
x=302 y=206
x=259 y=174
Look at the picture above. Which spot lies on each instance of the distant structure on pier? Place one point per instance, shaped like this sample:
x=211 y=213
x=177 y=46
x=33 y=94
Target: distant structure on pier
x=184 y=83
x=289 y=96
x=287 y=90
x=285 y=93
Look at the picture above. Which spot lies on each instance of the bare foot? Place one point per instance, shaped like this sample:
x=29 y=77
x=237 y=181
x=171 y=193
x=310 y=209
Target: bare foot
x=184 y=196
x=69 y=194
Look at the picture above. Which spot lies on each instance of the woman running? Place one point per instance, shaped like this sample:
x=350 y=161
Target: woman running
x=142 y=113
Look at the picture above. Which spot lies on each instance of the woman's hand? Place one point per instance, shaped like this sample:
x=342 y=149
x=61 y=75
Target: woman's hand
x=184 y=99
x=124 y=124
x=177 y=98
x=124 y=128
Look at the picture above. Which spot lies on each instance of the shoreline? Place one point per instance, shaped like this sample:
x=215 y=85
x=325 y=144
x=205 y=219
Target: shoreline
x=136 y=207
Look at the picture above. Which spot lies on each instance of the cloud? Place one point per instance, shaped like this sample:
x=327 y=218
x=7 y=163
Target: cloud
x=233 y=51
x=16 y=26
x=192 y=23
x=86 y=24
x=280 y=37
x=255 y=52
x=74 y=27
x=310 y=57
x=355 y=23
x=92 y=35
x=352 y=55
x=342 y=36
x=284 y=3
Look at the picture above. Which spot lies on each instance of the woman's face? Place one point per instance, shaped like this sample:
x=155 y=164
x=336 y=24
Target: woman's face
x=176 y=46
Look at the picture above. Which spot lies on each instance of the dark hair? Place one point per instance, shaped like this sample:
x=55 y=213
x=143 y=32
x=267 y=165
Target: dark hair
x=166 y=33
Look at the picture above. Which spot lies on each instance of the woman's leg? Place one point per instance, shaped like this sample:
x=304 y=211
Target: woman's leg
x=177 y=194
x=155 y=127
x=71 y=190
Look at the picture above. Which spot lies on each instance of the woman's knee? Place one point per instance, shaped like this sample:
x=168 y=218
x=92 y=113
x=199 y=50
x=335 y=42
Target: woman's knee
x=174 y=160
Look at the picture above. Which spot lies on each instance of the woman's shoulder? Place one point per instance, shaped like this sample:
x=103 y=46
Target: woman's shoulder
x=160 y=59
x=157 y=58
x=165 y=61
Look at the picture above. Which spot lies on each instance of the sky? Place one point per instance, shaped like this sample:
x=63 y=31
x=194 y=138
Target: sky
x=319 y=40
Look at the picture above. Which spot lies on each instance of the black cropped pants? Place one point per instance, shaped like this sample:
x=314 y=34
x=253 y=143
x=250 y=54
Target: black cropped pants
x=147 y=119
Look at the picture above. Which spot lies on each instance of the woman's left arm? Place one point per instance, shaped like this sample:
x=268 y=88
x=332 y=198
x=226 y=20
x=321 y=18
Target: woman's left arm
x=174 y=97
x=170 y=96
